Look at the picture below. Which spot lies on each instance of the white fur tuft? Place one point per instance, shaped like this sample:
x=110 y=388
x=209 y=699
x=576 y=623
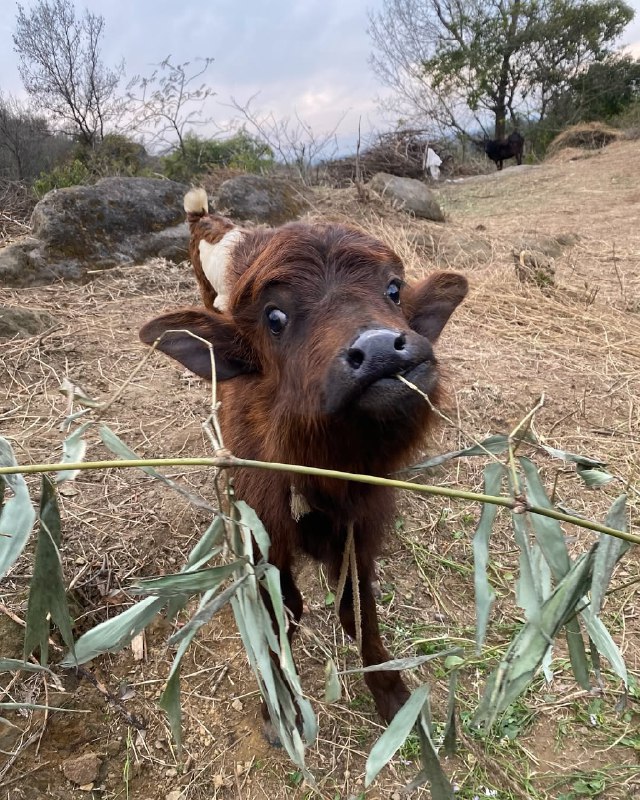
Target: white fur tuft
x=195 y=201
x=215 y=261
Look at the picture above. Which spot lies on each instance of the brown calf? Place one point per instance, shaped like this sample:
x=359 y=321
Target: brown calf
x=318 y=322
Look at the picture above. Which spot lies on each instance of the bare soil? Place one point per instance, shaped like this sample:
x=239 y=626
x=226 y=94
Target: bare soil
x=578 y=343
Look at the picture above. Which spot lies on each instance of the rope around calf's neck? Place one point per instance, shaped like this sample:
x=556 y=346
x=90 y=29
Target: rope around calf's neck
x=349 y=561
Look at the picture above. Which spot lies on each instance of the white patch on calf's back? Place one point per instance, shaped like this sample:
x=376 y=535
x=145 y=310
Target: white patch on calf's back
x=215 y=260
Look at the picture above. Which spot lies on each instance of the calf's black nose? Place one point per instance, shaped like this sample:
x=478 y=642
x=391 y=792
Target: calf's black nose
x=378 y=352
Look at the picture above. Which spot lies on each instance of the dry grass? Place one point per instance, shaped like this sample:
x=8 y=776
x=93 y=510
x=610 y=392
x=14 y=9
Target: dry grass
x=580 y=345
x=585 y=135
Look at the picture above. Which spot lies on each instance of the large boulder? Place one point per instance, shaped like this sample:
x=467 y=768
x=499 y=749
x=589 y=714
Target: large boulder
x=408 y=194
x=266 y=200
x=82 y=229
x=24 y=322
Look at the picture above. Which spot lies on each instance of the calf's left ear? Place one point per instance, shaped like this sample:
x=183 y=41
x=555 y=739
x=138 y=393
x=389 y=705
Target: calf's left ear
x=429 y=304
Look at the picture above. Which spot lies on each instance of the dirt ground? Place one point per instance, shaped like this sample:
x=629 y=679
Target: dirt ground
x=577 y=342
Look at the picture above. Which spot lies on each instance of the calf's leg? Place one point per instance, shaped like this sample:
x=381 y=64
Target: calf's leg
x=387 y=687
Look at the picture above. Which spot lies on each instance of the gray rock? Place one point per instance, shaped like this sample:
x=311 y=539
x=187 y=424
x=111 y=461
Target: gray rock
x=260 y=199
x=408 y=195
x=83 y=229
x=552 y=246
x=24 y=322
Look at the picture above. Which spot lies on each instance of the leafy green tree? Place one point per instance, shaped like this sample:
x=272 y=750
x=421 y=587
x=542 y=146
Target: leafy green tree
x=460 y=64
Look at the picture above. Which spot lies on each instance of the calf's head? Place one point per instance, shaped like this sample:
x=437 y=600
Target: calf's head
x=320 y=320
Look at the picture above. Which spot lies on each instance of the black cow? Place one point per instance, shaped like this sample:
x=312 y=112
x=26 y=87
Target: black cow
x=499 y=150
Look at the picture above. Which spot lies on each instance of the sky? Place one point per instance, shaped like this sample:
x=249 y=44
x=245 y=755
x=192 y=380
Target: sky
x=308 y=57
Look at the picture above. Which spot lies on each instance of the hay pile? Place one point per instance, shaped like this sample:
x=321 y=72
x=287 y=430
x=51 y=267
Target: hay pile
x=584 y=136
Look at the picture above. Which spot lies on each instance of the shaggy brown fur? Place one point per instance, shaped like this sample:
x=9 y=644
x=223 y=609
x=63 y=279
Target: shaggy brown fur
x=321 y=391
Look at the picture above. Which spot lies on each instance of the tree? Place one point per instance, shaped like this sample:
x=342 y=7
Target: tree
x=163 y=105
x=62 y=69
x=462 y=62
x=601 y=92
x=27 y=147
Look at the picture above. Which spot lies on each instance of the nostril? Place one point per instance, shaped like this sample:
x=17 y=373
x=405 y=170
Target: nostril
x=355 y=357
x=400 y=342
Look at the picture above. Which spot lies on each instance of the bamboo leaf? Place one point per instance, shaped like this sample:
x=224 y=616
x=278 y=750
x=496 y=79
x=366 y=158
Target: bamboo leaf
x=496 y=445
x=594 y=477
x=113 y=634
x=449 y=737
x=17 y=664
x=584 y=461
x=249 y=518
x=493 y=477
x=577 y=653
x=605 y=645
x=47 y=595
x=525 y=654
x=432 y=772
x=395 y=735
x=332 y=686
x=74 y=448
x=402 y=663
x=206 y=611
x=113 y=442
x=548 y=531
x=188 y=583
x=17 y=514
x=610 y=550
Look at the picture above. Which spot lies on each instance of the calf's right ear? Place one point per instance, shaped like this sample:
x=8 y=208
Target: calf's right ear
x=186 y=336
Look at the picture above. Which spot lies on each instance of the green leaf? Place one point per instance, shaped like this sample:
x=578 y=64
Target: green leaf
x=432 y=772
x=188 y=583
x=206 y=611
x=47 y=594
x=121 y=450
x=493 y=444
x=332 y=686
x=208 y=543
x=610 y=550
x=594 y=477
x=17 y=664
x=403 y=663
x=577 y=653
x=396 y=734
x=525 y=654
x=548 y=532
x=287 y=664
x=493 y=477
x=449 y=737
x=527 y=592
x=605 y=645
x=584 y=461
x=74 y=448
x=113 y=634
x=206 y=548
x=249 y=519
x=17 y=515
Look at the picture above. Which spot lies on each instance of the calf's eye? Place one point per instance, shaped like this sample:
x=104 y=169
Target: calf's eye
x=276 y=320
x=393 y=292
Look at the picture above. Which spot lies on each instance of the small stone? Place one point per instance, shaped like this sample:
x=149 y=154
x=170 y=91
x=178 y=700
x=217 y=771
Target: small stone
x=237 y=705
x=158 y=744
x=86 y=788
x=82 y=770
x=176 y=794
x=171 y=772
